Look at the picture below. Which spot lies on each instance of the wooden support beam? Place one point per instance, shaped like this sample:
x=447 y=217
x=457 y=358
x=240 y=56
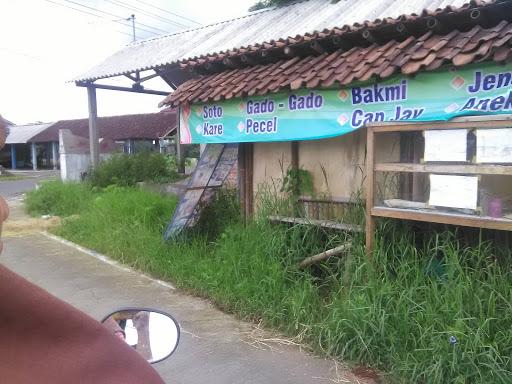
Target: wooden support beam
x=295 y=155
x=469 y=169
x=370 y=185
x=319 y=223
x=249 y=187
x=241 y=179
x=146 y=78
x=325 y=255
x=469 y=122
x=444 y=218
x=179 y=148
x=136 y=88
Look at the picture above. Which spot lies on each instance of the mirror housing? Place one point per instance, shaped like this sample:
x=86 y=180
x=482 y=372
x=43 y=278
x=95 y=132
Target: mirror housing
x=154 y=334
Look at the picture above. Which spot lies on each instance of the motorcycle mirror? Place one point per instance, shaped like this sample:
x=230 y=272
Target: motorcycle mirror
x=152 y=333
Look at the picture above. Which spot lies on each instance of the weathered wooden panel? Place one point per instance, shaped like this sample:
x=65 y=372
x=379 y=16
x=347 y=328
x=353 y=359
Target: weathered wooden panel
x=211 y=171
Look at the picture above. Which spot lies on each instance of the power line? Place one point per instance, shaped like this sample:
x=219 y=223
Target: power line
x=117 y=16
x=19 y=53
x=89 y=13
x=144 y=12
x=169 y=12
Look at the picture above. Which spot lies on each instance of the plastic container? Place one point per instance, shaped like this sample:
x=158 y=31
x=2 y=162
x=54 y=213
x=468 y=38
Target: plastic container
x=495 y=208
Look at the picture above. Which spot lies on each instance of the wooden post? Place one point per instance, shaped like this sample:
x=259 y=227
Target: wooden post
x=93 y=127
x=34 y=156
x=249 y=189
x=406 y=156
x=179 y=148
x=295 y=155
x=370 y=221
x=241 y=179
x=13 y=156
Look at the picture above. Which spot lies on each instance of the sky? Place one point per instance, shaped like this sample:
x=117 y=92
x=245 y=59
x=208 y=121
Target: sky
x=46 y=43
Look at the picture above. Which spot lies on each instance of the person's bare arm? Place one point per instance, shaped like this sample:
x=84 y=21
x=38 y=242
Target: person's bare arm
x=44 y=340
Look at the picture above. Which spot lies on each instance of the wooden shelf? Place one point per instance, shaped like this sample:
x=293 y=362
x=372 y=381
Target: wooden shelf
x=443 y=218
x=319 y=223
x=473 y=169
x=375 y=129
x=476 y=122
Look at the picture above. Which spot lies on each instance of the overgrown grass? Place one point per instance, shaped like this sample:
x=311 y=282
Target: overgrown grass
x=57 y=198
x=397 y=312
x=127 y=170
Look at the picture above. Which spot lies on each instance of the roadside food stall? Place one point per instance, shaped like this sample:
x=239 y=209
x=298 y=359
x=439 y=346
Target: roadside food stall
x=413 y=112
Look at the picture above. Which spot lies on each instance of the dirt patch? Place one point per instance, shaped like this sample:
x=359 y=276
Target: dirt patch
x=29 y=225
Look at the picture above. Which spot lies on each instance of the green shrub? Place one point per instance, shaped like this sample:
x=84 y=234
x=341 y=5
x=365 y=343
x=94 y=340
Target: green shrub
x=127 y=170
x=58 y=198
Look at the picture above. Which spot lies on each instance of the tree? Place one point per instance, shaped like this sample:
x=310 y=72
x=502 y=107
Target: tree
x=269 y=3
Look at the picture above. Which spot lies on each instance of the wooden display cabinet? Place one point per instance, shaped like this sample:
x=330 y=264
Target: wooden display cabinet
x=374 y=210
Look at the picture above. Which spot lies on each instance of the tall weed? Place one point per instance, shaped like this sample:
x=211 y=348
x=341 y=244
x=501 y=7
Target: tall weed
x=58 y=198
x=126 y=170
x=425 y=309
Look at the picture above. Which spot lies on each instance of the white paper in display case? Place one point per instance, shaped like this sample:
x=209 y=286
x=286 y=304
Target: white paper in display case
x=453 y=191
x=445 y=145
x=494 y=145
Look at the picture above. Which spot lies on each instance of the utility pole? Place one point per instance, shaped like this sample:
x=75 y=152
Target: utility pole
x=132 y=18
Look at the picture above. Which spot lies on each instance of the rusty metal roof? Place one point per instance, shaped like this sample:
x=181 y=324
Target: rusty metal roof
x=340 y=68
x=271 y=26
x=140 y=126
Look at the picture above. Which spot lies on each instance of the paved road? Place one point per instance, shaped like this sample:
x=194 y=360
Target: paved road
x=215 y=347
x=12 y=188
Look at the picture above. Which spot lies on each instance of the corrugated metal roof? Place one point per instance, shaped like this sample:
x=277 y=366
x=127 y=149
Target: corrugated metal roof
x=266 y=25
x=340 y=68
x=352 y=35
x=21 y=134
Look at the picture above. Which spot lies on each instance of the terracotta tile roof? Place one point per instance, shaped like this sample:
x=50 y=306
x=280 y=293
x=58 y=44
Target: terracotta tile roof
x=140 y=126
x=406 y=23
x=425 y=53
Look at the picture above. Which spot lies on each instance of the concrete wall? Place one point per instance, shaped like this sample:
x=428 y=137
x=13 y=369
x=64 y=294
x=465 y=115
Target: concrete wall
x=74 y=166
x=75 y=158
